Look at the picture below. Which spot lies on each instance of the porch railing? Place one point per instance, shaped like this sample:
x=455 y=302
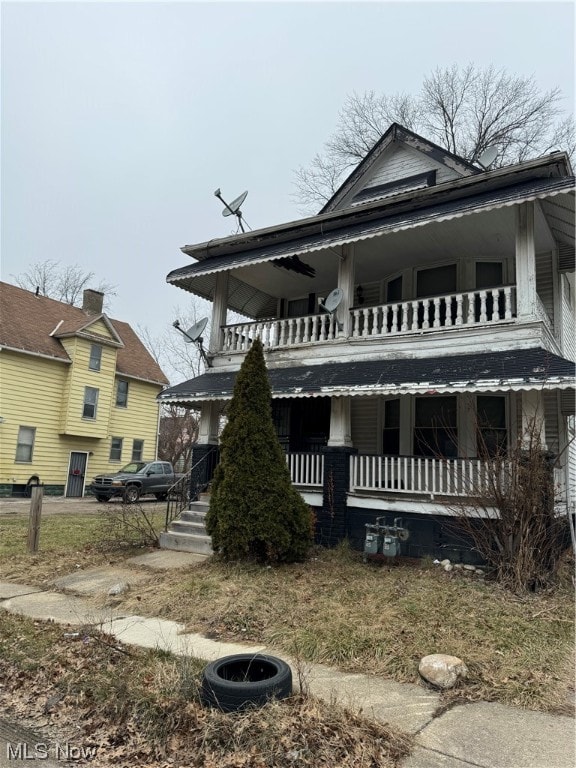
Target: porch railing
x=420 y=475
x=306 y=469
x=458 y=309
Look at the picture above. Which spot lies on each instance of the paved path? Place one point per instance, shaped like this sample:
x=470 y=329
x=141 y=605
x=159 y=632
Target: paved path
x=479 y=735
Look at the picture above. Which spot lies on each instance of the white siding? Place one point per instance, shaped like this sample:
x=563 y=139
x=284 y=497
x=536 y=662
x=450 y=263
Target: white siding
x=365 y=424
x=568 y=325
x=551 y=420
x=398 y=162
x=544 y=282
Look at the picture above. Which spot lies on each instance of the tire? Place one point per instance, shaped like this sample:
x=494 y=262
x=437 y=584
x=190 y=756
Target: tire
x=101 y=499
x=131 y=494
x=161 y=496
x=235 y=682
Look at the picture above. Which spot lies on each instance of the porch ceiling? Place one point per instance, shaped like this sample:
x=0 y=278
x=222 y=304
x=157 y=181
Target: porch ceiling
x=488 y=372
x=480 y=224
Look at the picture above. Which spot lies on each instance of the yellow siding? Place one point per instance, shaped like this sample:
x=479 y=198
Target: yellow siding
x=80 y=376
x=100 y=328
x=32 y=393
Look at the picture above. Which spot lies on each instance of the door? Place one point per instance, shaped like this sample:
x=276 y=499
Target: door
x=76 y=474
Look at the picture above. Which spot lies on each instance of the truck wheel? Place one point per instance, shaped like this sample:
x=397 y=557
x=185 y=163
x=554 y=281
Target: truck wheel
x=131 y=494
x=161 y=496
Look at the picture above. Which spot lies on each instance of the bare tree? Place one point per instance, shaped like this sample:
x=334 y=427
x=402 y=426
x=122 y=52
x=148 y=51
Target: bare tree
x=62 y=282
x=466 y=110
x=178 y=434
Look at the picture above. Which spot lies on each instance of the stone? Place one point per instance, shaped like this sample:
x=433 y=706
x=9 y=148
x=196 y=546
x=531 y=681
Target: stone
x=448 y=566
x=479 y=572
x=120 y=588
x=441 y=670
x=444 y=562
x=458 y=566
x=469 y=567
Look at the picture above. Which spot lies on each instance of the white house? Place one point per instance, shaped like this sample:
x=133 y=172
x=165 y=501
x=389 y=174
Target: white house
x=455 y=326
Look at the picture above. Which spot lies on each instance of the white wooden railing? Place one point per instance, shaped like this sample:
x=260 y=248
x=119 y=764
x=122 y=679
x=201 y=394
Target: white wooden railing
x=306 y=468
x=420 y=475
x=459 y=309
x=472 y=308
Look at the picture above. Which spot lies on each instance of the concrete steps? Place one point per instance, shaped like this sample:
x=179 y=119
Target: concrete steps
x=188 y=532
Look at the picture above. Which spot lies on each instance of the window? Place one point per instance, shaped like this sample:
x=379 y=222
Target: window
x=116 y=449
x=90 y=403
x=435 y=427
x=492 y=435
x=156 y=469
x=137 y=450
x=391 y=431
x=437 y=281
x=25 y=444
x=95 y=357
x=122 y=394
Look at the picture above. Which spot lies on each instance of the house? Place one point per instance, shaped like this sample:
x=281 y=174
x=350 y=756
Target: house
x=451 y=331
x=79 y=393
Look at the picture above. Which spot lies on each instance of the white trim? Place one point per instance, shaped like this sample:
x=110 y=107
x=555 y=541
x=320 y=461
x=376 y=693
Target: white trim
x=407 y=506
x=314 y=499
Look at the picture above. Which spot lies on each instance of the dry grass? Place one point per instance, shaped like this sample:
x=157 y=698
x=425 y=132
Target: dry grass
x=143 y=709
x=375 y=618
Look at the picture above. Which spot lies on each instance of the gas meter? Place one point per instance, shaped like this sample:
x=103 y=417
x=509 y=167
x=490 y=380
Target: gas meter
x=383 y=538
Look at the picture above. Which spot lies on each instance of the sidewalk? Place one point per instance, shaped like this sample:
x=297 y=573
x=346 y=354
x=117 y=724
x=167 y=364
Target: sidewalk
x=481 y=735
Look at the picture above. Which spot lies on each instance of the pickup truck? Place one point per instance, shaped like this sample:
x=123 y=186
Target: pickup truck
x=134 y=480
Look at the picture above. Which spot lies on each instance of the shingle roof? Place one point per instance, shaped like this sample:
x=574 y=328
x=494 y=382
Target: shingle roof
x=26 y=322
x=484 y=372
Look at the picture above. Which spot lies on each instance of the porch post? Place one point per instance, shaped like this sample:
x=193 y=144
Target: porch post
x=525 y=261
x=219 y=310
x=205 y=452
x=331 y=521
x=533 y=424
x=346 y=284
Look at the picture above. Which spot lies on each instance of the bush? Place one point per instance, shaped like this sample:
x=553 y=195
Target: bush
x=255 y=511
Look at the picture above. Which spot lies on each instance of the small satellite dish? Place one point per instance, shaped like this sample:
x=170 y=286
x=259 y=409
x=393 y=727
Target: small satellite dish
x=233 y=208
x=487 y=157
x=195 y=332
x=332 y=301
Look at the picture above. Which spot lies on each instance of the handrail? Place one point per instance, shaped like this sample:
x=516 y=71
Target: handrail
x=180 y=495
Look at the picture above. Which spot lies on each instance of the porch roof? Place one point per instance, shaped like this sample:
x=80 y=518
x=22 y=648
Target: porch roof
x=514 y=370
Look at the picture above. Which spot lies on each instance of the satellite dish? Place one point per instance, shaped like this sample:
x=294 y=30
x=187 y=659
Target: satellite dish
x=233 y=208
x=333 y=300
x=194 y=333
x=487 y=157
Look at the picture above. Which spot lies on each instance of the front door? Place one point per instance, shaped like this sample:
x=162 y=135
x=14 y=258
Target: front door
x=76 y=474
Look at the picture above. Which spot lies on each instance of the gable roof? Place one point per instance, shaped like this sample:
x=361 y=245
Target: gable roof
x=35 y=324
x=398 y=134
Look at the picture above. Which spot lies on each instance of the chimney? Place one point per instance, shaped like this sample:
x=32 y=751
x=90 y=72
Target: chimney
x=92 y=302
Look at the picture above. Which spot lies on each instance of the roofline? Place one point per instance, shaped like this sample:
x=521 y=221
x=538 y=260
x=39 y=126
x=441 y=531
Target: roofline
x=3 y=348
x=238 y=243
x=118 y=374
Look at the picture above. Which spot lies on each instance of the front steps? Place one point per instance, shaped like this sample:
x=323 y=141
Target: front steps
x=188 y=532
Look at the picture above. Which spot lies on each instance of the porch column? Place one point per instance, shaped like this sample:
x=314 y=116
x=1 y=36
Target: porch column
x=205 y=452
x=346 y=284
x=219 y=310
x=526 y=295
x=331 y=522
x=533 y=418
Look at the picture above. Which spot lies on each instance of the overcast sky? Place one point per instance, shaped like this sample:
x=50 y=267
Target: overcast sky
x=119 y=120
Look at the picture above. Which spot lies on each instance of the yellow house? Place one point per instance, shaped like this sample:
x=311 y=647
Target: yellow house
x=77 y=393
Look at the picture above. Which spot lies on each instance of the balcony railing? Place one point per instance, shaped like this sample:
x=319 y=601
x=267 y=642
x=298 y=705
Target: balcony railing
x=306 y=469
x=420 y=475
x=472 y=308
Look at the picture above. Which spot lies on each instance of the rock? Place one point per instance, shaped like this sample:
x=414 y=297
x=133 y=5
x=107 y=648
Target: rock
x=458 y=566
x=441 y=670
x=479 y=572
x=119 y=589
x=444 y=562
x=448 y=566
x=469 y=567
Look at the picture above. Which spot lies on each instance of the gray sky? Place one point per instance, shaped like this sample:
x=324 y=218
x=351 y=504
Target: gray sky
x=119 y=120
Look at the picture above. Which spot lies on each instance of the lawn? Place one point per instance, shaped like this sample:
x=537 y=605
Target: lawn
x=377 y=618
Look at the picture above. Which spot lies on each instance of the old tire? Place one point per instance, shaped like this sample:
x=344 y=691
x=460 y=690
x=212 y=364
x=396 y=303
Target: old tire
x=131 y=494
x=243 y=680
x=161 y=496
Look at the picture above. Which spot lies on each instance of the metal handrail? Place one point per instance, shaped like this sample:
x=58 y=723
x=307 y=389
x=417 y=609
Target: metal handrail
x=180 y=495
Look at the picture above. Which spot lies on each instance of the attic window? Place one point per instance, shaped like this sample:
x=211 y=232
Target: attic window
x=396 y=187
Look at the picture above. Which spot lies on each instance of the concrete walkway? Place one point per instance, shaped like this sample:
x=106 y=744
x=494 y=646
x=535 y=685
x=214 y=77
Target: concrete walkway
x=481 y=735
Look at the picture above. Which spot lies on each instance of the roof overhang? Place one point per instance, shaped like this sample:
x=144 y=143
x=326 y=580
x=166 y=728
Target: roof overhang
x=511 y=371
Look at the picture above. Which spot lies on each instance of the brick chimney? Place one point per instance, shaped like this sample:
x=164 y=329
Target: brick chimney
x=92 y=302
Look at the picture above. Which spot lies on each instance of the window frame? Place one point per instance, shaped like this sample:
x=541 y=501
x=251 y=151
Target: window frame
x=113 y=448
x=485 y=433
x=125 y=403
x=139 y=457
x=86 y=402
x=95 y=361
x=20 y=444
x=451 y=432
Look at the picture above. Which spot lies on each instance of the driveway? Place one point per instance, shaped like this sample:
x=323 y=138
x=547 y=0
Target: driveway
x=58 y=505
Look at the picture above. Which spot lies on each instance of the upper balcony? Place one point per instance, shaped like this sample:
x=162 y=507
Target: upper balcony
x=494 y=306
